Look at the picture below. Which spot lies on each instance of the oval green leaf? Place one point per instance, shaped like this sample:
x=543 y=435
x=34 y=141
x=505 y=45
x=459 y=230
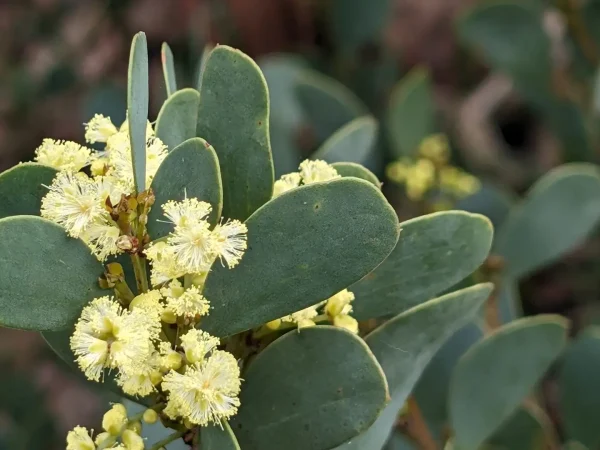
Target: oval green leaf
x=354 y=142
x=234 y=118
x=214 y=437
x=524 y=430
x=310 y=389
x=348 y=169
x=46 y=276
x=23 y=187
x=495 y=375
x=411 y=113
x=177 y=119
x=328 y=105
x=578 y=384
x=434 y=253
x=303 y=247
x=189 y=171
x=137 y=107
x=491 y=201
x=557 y=214
x=168 y=67
x=405 y=345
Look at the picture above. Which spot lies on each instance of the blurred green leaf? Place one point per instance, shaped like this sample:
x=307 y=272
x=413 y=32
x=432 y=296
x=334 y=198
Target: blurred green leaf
x=178 y=117
x=233 y=117
x=578 y=384
x=354 y=142
x=137 y=107
x=524 y=430
x=168 y=67
x=411 y=113
x=303 y=247
x=23 y=187
x=557 y=214
x=491 y=201
x=346 y=391
x=434 y=252
x=348 y=169
x=496 y=374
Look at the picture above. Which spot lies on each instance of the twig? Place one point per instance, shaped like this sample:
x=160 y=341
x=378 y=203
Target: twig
x=168 y=440
x=415 y=427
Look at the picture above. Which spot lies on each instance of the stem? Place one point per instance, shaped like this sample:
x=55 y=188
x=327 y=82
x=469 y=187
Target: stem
x=139 y=268
x=168 y=440
x=417 y=429
x=264 y=331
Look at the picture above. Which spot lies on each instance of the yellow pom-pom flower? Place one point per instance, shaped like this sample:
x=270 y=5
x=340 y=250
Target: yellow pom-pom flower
x=132 y=440
x=99 y=129
x=197 y=344
x=150 y=302
x=164 y=262
x=141 y=379
x=303 y=318
x=339 y=304
x=106 y=336
x=286 y=183
x=190 y=304
x=317 y=171
x=63 y=155
x=207 y=392
x=114 y=420
x=231 y=241
x=79 y=439
x=194 y=246
x=186 y=212
x=347 y=322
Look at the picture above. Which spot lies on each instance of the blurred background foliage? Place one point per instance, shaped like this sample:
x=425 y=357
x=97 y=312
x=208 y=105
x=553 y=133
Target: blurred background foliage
x=508 y=87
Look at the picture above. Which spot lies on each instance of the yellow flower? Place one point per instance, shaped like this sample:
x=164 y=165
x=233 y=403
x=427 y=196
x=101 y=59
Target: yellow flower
x=435 y=148
x=63 y=155
x=99 y=129
x=79 y=439
x=102 y=237
x=286 y=183
x=347 y=322
x=150 y=302
x=186 y=212
x=142 y=379
x=317 y=171
x=174 y=289
x=150 y=416
x=190 y=304
x=106 y=336
x=231 y=241
x=115 y=419
x=164 y=262
x=132 y=440
x=74 y=202
x=303 y=318
x=207 y=391
x=339 y=304
x=169 y=358
x=194 y=246
x=197 y=344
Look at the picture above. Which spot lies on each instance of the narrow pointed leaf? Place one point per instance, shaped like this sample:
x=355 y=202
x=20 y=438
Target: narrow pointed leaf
x=434 y=253
x=168 y=66
x=303 y=247
x=137 y=107
x=557 y=214
x=310 y=389
x=405 y=345
x=207 y=49
x=234 y=118
x=328 y=105
x=495 y=375
x=189 y=171
x=578 y=384
x=354 y=142
x=23 y=187
x=411 y=113
x=46 y=277
x=348 y=169
x=213 y=437
x=177 y=119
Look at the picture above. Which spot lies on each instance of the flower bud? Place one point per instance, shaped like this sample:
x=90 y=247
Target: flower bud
x=135 y=426
x=150 y=416
x=273 y=324
x=132 y=440
x=115 y=419
x=168 y=316
x=102 y=437
x=347 y=322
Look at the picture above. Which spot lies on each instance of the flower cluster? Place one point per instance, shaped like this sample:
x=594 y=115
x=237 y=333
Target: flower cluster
x=309 y=172
x=430 y=173
x=97 y=208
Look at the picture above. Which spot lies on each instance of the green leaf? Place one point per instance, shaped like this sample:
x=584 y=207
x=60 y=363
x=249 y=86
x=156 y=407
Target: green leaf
x=46 y=276
x=348 y=169
x=557 y=214
x=137 y=107
x=303 y=247
x=354 y=142
x=310 y=389
x=431 y=392
x=327 y=104
x=434 y=252
x=23 y=187
x=286 y=119
x=168 y=66
x=510 y=37
x=495 y=375
x=355 y=23
x=213 y=437
x=234 y=118
x=491 y=201
x=205 y=53
x=525 y=430
x=178 y=117
x=578 y=384
x=509 y=301
x=405 y=345
x=411 y=113
x=189 y=171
